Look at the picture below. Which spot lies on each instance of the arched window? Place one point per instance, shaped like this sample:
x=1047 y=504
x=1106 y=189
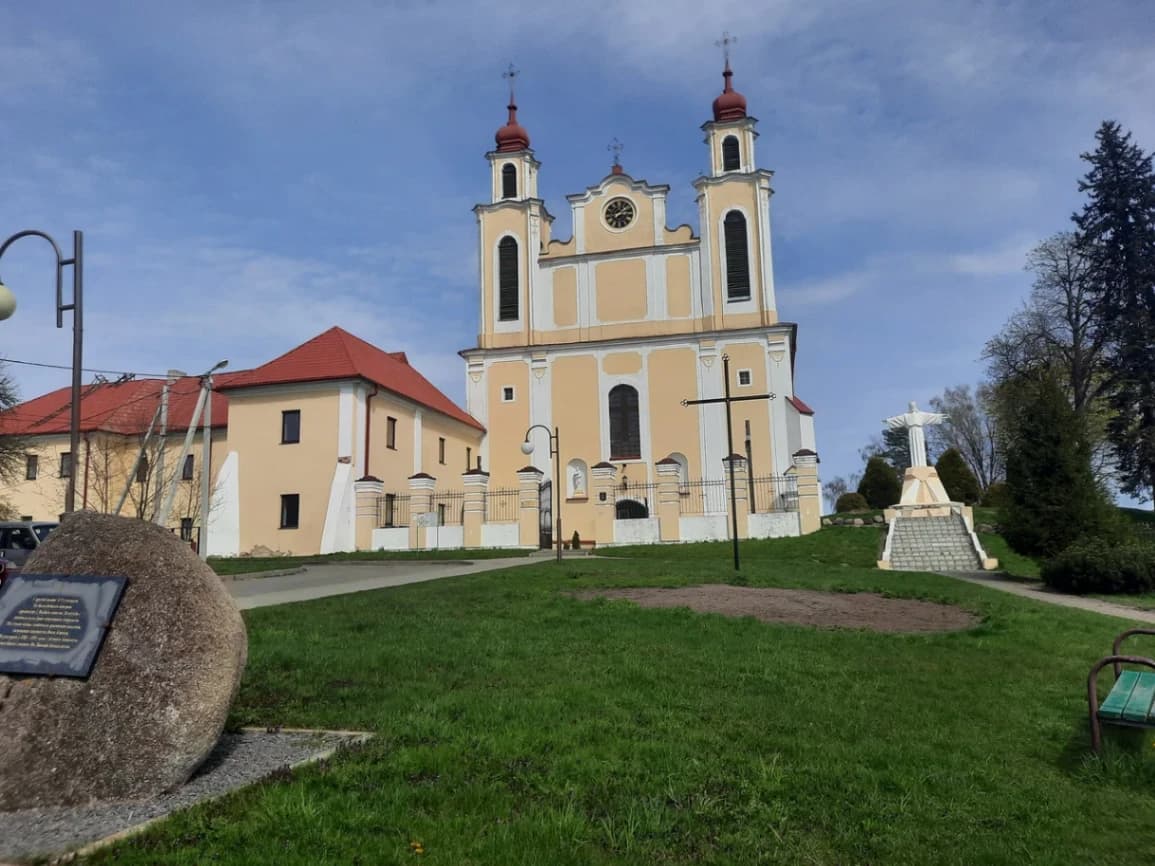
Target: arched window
x=625 y=432
x=508 y=181
x=730 y=154
x=737 y=258
x=507 y=289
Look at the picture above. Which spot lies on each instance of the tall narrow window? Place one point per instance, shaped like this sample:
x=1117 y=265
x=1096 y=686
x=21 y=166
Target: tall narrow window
x=507 y=289
x=730 y=156
x=186 y=528
x=290 y=510
x=468 y=458
x=390 y=508
x=290 y=426
x=186 y=471
x=441 y=450
x=508 y=181
x=625 y=433
x=66 y=464
x=737 y=258
x=391 y=433
x=31 y=466
x=142 y=470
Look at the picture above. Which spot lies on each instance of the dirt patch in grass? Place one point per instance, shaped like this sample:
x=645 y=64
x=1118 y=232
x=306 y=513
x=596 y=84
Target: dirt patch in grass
x=865 y=610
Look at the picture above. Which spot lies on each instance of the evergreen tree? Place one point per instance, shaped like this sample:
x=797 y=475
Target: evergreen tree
x=879 y=485
x=1116 y=235
x=960 y=483
x=1052 y=497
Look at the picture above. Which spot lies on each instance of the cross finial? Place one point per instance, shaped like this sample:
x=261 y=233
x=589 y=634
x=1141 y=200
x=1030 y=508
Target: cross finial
x=510 y=74
x=724 y=43
x=615 y=147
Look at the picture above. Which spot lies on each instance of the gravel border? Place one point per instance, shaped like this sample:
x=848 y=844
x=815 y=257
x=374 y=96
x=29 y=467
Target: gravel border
x=239 y=759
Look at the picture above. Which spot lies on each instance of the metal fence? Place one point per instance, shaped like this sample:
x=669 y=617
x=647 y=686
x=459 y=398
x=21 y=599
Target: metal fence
x=773 y=493
x=449 y=507
x=703 y=497
x=503 y=506
x=392 y=510
x=643 y=494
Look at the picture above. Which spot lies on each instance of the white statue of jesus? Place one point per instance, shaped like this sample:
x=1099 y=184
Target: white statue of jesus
x=914 y=420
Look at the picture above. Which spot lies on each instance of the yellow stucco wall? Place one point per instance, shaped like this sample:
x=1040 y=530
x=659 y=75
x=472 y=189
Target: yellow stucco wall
x=621 y=290
x=672 y=377
x=511 y=419
x=640 y=233
x=457 y=438
x=268 y=469
x=577 y=410
x=494 y=225
x=622 y=363
x=751 y=356
x=565 y=305
x=678 y=286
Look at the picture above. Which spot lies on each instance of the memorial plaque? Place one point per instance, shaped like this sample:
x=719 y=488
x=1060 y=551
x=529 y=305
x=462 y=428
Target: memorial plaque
x=54 y=625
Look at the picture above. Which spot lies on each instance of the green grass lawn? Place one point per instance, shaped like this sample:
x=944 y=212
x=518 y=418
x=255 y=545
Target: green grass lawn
x=252 y=564
x=517 y=725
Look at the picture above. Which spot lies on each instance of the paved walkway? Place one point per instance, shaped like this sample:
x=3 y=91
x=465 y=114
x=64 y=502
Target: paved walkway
x=320 y=581
x=1041 y=593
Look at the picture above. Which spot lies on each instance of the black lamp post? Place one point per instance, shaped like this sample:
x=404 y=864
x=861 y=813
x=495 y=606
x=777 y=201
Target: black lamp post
x=8 y=306
x=555 y=453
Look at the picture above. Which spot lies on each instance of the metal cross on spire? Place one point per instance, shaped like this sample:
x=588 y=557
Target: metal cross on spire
x=615 y=147
x=725 y=42
x=511 y=74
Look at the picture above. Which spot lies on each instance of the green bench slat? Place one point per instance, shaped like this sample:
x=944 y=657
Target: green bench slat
x=1131 y=698
x=1116 y=702
x=1138 y=707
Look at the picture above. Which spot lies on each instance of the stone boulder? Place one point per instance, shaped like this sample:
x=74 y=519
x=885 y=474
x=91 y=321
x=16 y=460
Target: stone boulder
x=158 y=696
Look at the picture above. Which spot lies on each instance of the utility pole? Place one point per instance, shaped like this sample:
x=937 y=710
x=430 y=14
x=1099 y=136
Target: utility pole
x=168 y=382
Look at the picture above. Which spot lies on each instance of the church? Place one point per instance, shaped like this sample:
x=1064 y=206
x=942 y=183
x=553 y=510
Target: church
x=601 y=336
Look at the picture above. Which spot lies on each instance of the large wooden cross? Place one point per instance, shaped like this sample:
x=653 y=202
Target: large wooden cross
x=728 y=400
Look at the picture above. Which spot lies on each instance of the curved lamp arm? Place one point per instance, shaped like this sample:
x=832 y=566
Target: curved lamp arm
x=60 y=263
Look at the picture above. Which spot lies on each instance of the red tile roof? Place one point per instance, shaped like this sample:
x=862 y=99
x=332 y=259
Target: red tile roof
x=124 y=407
x=337 y=354
x=800 y=406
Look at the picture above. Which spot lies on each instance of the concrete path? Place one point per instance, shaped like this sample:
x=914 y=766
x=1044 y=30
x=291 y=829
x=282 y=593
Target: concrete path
x=320 y=581
x=1040 y=593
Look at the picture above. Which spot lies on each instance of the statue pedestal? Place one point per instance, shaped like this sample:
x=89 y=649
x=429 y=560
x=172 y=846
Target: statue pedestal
x=924 y=496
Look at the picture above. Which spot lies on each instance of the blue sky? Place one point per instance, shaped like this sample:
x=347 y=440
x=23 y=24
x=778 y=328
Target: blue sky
x=248 y=174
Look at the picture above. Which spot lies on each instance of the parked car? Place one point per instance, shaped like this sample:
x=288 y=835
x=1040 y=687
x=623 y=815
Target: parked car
x=3 y=570
x=18 y=538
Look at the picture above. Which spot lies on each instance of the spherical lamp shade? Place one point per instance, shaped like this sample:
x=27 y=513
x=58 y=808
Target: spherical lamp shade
x=526 y=447
x=7 y=302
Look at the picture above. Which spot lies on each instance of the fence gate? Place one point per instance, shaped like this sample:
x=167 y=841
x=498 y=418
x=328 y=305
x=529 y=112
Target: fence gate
x=545 y=515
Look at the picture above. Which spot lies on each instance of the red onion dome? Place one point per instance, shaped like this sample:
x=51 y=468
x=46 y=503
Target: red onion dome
x=731 y=105
x=512 y=136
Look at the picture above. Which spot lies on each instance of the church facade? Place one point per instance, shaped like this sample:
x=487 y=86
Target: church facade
x=603 y=335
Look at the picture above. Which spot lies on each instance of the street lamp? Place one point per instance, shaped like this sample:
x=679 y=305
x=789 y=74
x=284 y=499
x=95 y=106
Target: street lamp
x=555 y=453
x=8 y=307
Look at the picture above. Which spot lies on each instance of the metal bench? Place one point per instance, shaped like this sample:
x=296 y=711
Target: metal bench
x=1131 y=701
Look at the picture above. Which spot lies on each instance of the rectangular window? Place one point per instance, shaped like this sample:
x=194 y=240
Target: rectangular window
x=390 y=508
x=186 y=525
x=290 y=510
x=290 y=426
x=65 y=464
x=31 y=467
x=186 y=471
x=142 y=470
x=507 y=394
x=441 y=514
x=441 y=450
x=744 y=378
x=391 y=433
x=468 y=458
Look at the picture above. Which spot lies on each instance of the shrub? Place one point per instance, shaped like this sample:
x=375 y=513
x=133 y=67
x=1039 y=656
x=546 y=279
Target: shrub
x=1102 y=565
x=960 y=483
x=880 y=485
x=851 y=502
x=995 y=496
x=576 y=541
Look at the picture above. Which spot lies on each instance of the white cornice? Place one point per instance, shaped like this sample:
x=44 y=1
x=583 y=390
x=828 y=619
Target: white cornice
x=495 y=155
x=512 y=204
x=763 y=175
x=634 y=186
x=631 y=253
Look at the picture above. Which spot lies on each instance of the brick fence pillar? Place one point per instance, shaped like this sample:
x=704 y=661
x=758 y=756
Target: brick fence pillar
x=420 y=503
x=736 y=464
x=805 y=469
x=476 y=483
x=367 y=490
x=529 y=514
x=669 y=499
x=604 y=502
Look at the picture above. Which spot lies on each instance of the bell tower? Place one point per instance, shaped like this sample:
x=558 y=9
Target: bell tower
x=734 y=214
x=513 y=229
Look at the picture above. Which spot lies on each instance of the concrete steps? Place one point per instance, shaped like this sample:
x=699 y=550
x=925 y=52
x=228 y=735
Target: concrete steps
x=933 y=544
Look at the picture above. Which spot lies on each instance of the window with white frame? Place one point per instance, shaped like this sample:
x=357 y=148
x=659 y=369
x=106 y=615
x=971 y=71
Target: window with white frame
x=507 y=394
x=744 y=378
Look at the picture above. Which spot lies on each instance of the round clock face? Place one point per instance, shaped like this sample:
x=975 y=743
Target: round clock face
x=619 y=213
